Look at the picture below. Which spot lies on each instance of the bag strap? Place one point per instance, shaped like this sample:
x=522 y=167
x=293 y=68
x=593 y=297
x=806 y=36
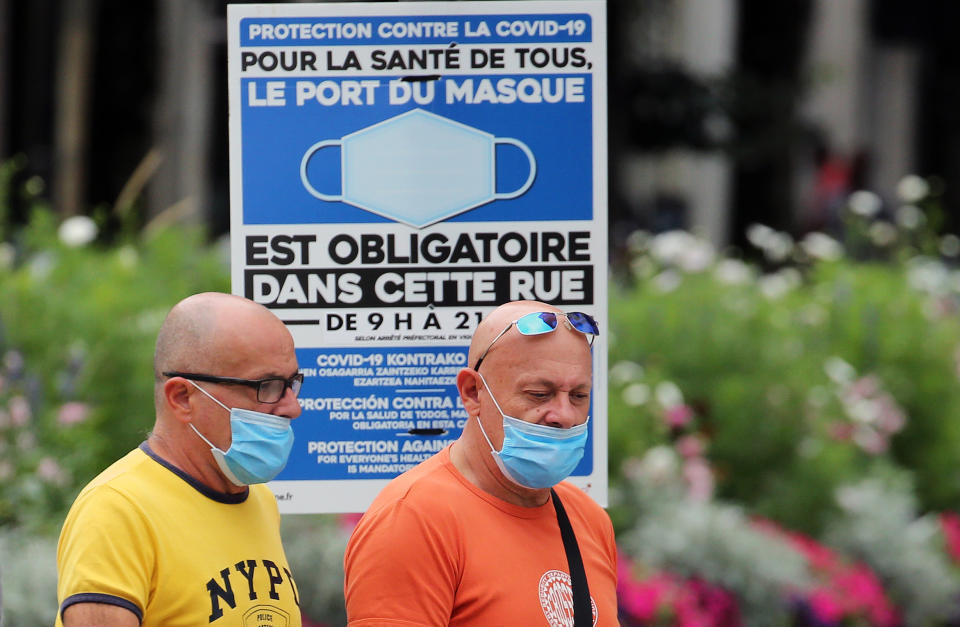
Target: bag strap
x=582 y=609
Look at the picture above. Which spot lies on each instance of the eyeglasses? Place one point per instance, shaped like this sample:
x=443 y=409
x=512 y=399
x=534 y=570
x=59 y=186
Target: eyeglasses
x=540 y=322
x=269 y=390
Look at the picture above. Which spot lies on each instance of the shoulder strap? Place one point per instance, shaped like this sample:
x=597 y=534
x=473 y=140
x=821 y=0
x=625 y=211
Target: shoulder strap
x=582 y=610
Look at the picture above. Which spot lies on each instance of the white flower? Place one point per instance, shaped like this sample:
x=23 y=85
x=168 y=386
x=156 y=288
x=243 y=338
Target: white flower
x=682 y=249
x=660 y=463
x=821 y=246
x=127 y=257
x=812 y=315
x=636 y=394
x=839 y=370
x=781 y=245
x=625 y=372
x=698 y=257
x=759 y=234
x=949 y=245
x=643 y=267
x=775 y=285
x=34 y=186
x=638 y=241
x=20 y=412
x=776 y=246
x=863 y=410
x=41 y=265
x=7 y=254
x=910 y=217
x=77 y=231
x=928 y=275
x=667 y=281
x=865 y=203
x=912 y=188
x=13 y=361
x=882 y=233
x=733 y=272
x=668 y=394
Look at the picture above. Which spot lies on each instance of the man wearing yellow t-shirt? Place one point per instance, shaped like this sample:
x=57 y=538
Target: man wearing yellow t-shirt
x=181 y=531
x=475 y=536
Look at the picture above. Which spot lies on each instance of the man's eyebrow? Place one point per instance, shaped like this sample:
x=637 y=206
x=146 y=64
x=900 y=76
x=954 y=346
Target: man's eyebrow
x=552 y=384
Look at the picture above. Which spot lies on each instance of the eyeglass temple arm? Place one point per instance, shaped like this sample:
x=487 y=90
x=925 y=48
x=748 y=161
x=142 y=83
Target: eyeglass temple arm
x=494 y=341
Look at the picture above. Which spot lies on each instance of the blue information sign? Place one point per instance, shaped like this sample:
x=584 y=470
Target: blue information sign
x=397 y=171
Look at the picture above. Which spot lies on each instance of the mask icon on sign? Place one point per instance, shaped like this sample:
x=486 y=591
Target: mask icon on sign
x=417 y=168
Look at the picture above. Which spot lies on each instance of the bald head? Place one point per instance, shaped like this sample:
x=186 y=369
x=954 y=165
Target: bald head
x=209 y=332
x=494 y=324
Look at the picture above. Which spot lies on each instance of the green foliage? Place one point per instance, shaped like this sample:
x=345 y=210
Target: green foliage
x=706 y=539
x=78 y=323
x=28 y=577
x=797 y=381
x=880 y=525
x=314 y=545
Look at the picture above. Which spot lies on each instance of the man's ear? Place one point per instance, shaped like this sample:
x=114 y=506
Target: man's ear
x=177 y=393
x=469 y=388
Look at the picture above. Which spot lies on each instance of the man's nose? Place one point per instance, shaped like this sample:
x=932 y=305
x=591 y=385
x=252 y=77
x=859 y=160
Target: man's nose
x=563 y=414
x=288 y=405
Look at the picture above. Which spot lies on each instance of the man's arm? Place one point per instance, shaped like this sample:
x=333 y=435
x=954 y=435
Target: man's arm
x=104 y=560
x=99 y=615
x=399 y=569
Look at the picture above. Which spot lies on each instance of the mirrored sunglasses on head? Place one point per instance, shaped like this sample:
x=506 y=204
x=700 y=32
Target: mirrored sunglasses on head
x=539 y=322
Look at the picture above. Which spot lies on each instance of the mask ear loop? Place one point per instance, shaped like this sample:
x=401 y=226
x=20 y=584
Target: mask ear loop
x=480 y=422
x=209 y=443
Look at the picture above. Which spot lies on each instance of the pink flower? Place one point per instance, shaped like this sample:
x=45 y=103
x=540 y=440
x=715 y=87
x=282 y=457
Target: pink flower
x=349 y=521
x=50 y=471
x=891 y=419
x=689 y=446
x=19 y=411
x=865 y=387
x=662 y=598
x=841 y=431
x=699 y=479
x=868 y=439
x=846 y=591
x=678 y=416
x=825 y=605
x=72 y=413
x=950 y=525
x=640 y=599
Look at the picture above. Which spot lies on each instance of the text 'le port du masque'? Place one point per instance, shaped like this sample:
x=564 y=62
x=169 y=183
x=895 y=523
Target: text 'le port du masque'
x=347 y=92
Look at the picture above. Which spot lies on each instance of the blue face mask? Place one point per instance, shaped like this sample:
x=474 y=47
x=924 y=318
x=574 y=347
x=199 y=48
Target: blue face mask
x=536 y=456
x=259 y=447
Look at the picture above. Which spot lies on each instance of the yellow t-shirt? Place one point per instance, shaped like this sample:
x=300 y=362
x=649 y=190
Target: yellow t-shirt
x=145 y=536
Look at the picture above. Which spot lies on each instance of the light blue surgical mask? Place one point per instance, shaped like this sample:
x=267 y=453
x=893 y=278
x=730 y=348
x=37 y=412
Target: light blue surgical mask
x=532 y=455
x=259 y=448
x=417 y=168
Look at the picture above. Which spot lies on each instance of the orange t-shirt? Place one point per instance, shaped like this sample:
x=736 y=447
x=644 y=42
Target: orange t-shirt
x=434 y=549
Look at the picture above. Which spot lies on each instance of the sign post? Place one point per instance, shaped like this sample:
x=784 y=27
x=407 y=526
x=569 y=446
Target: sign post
x=397 y=171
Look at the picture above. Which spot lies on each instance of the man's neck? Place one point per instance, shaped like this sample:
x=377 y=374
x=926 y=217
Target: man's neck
x=466 y=457
x=160 y=443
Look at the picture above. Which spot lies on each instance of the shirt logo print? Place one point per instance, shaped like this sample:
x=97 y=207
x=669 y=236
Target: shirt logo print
x=556 y=599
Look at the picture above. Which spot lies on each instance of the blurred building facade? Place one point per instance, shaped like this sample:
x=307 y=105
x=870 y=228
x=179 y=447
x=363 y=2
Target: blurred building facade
x=722 y=112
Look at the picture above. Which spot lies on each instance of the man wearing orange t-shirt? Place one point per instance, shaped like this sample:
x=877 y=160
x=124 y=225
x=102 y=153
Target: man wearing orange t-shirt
x=472 y=536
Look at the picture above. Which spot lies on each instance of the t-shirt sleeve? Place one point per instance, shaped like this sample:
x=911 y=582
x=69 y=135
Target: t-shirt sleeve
x=401 y=568
x=105 y=553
